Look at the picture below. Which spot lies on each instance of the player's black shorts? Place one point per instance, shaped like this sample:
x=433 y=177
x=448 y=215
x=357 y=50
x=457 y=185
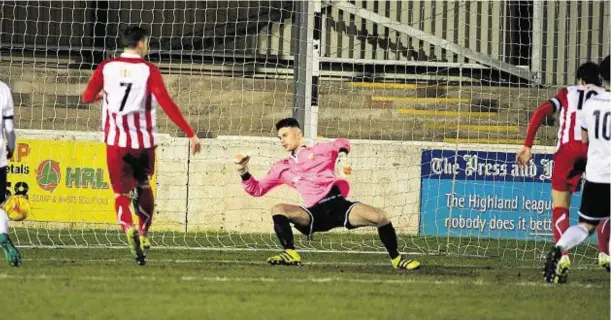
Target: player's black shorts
x=330 y=212
x=595 y=202
x=3 y=184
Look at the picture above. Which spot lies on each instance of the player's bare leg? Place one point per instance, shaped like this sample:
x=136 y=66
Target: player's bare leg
x=144 y=204
x=283 y=215
x=560 y=223
x=363 y=215
x=124 y=215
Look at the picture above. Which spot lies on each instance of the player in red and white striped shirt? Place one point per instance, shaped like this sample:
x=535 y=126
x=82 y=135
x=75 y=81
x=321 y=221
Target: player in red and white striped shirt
x=571 y=153
x=130 y=87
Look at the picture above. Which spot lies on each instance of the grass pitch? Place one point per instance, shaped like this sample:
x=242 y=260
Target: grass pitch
x=100 y=283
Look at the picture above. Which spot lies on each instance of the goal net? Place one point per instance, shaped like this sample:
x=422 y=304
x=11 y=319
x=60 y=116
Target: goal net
x=434 y=95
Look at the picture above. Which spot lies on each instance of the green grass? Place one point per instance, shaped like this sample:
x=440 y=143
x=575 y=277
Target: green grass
x=101 y=283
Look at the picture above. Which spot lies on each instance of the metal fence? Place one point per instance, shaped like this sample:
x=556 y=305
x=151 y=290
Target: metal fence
x=552 y=37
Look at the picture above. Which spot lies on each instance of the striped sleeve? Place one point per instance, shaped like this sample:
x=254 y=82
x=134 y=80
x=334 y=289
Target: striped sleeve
x=558 y=100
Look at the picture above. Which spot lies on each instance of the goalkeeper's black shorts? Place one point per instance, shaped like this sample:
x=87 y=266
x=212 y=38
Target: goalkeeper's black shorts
x=330 y=212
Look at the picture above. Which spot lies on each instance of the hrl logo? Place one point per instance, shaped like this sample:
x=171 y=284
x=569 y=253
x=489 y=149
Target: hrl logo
x=48 y=175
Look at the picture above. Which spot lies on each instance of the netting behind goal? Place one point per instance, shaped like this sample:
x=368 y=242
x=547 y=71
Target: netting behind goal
x=435 y=96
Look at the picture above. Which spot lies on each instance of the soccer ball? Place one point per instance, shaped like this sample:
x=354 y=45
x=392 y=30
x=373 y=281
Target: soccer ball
x=17 y=207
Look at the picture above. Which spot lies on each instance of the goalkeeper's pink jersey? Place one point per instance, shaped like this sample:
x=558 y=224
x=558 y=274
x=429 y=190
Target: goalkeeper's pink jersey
x=311 y=172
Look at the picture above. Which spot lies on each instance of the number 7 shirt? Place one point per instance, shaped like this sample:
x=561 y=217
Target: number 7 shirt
x=131 y=88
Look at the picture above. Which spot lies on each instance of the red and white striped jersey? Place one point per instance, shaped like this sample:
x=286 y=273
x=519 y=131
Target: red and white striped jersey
x=131 y=88
x=568 y=101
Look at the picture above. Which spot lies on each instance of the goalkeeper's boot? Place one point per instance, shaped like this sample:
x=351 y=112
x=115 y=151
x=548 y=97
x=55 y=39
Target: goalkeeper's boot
x=288 y=257
x=405 y=264
x=604 y=261
x=552 y=268
x=145 y=244
x=134 y=245
x=11 y=253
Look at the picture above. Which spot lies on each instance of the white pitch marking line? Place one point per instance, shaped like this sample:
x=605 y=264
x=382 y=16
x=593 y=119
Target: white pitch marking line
x=306 y=263
x=296 y=280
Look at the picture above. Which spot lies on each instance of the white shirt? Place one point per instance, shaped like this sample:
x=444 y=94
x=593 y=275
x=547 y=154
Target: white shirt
x=595 y=117
x=6 y=125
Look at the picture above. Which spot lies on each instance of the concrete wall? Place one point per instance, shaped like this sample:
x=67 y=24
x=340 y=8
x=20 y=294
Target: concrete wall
x=204 y=192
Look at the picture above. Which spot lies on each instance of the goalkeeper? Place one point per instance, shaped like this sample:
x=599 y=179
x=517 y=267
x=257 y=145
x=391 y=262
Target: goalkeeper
x=310 y=170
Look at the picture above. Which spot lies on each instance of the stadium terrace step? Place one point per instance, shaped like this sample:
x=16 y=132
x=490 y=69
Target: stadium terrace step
x=435 y=103
x=442 y=113
x=248 y=106
x=433 y=100
x=476 y=128
x=485 y=141
x=423 y=90
x=48 y=87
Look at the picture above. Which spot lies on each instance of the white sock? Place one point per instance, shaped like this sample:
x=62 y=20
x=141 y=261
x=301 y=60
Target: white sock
x=3 y=222
x=572 y=237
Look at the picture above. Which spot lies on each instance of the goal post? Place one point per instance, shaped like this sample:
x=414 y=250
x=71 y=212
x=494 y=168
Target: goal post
x=434 y=95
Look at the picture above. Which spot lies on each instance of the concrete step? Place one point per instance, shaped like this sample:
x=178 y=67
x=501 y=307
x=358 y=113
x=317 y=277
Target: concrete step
x=444 y=113
x=249 y=123
x=517 y=142
x=474 y=128
x=439 y=103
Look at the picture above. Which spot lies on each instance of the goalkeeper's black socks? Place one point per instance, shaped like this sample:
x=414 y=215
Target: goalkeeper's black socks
x=389 y=239
x=282 y=226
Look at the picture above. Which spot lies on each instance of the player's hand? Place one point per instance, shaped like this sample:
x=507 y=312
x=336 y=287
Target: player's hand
x=241 y=163
x=9 y=153
x=343 y=165
x=524 y=155
x=196 y=146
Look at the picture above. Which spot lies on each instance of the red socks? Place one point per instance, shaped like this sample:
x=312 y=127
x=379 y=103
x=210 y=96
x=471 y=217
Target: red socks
x=124 y=213
x=560 y=222
x=603 y=236
x=145 y=206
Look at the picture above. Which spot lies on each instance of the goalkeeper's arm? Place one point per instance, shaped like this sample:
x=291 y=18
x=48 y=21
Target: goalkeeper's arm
x=252 y=186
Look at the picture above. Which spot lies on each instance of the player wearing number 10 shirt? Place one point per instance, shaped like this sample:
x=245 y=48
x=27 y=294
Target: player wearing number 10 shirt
x=595 y=125
x=571 y=153
x=130 y=87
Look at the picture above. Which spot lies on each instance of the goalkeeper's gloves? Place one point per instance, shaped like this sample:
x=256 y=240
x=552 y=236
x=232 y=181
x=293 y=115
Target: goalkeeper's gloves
x=343 y=164
x=241 y=162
